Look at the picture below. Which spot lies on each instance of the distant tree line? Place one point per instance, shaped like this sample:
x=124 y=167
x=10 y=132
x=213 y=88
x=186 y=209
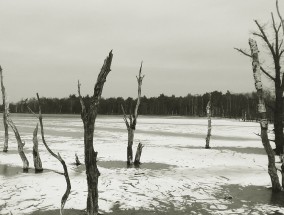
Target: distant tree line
x=228 y=105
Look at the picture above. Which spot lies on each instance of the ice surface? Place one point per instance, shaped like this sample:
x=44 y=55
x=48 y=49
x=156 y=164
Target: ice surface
x=177 y=172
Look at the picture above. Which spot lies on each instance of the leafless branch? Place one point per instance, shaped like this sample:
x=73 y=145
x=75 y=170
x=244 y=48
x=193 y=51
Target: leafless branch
x=139 y=81
x=243 y=52
x=58 y=157
x=265 y=38
x=81 y=100
x=262 y=69
x=124 y=117
x=279 y=15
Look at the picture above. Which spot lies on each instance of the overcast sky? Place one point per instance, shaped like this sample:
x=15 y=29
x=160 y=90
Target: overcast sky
x=186 y=45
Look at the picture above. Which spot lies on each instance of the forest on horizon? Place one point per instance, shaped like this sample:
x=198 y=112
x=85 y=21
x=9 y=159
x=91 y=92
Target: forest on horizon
x=228 y=105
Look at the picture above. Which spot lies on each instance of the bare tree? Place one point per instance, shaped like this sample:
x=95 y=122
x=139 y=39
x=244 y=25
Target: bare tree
x=276 y=50
x=208 y=111
x=21 y=144
x=131 y=121
x=89 y=115
x=5 y=113
x=263 y=119
x=58 y=157
x=36 y=157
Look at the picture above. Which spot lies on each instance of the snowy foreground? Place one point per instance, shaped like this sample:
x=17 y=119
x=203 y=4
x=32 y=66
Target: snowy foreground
x=178 y=176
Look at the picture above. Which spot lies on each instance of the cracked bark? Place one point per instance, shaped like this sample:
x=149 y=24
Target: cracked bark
x=88 y=116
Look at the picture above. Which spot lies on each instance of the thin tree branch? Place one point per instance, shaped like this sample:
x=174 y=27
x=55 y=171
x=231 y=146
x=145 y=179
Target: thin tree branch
x=243 y=52
x=279 y=15
x=83 y=112
x=139 y=81
x=262 y=69
x=125 y=117
x=58 y=157
x=267 y=74
x=25 y=102
x=265 y=38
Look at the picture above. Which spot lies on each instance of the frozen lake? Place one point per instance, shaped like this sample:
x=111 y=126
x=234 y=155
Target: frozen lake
x=178 y=176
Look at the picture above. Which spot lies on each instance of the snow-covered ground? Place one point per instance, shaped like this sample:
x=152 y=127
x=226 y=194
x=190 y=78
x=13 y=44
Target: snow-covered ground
x=177 y=173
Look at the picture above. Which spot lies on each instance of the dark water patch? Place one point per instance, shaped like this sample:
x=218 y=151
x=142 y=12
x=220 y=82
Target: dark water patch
x=164 y=208
x=243 y=150
x=250 y=196
x=57 y=211
x=9 y=171
x=15 y=151
x=123 y=165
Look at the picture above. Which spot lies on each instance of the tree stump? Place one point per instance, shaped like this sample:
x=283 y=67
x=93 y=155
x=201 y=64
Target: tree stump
x=138 y=154
x=36 y=157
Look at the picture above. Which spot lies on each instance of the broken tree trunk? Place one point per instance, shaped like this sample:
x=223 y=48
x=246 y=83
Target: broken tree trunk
x=131 y=125
x=21 y=144
x=37 y=160
x=130 y=132
x=58 y=157
x=88 y=116
x=138 y=154
x=208 y=111
x=272 y=171
x=77 y=161
x=5 y=113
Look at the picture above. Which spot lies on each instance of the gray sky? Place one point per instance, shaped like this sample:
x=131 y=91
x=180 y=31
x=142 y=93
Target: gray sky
x=186 y=45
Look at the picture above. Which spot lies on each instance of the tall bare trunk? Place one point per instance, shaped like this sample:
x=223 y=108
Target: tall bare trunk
x=5 y=113
x=129 y=146
x=37 y=160
x=89 y=115
x=92 y=171
x=131 y=121
x=272 y=171
x=278 y=122
x=208 y=111
x=21 y=144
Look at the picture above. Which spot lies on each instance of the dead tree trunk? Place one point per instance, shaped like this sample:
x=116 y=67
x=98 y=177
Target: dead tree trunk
x=58 y=157
x=89 y=115
x=37 y=160
x=276 y=51
x=131 y=124
x=208 y=111
x=138 y=154
x=21 y=144
x=5 y=113
x=272 y=171
x=77 y=161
